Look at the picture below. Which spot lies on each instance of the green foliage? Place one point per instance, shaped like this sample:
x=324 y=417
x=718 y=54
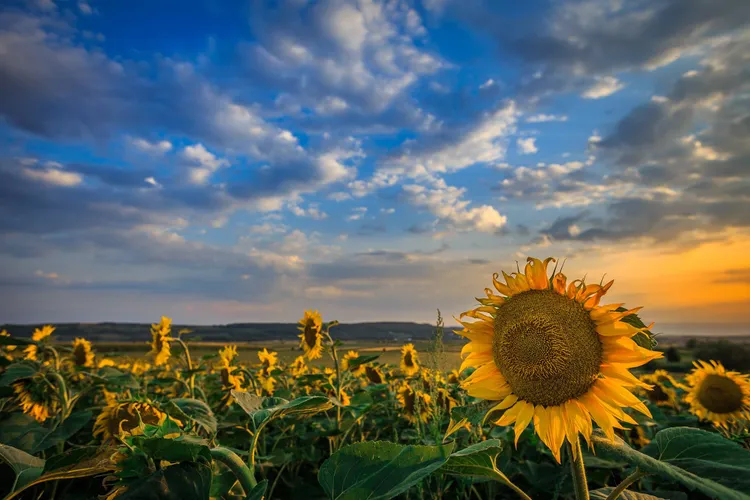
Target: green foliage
x=26 y=467
x=603 y=493
x=672 y=354
x=176 y=482
x=196 y=411
x=733 y=355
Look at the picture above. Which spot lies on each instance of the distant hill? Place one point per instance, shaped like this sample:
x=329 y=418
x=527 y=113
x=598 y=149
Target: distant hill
x=237 y=332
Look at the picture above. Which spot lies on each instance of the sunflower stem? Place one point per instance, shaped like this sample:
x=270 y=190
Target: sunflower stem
x=634 y=477
x=334 y=355
x=580 y=485
x=243 y=474
x=191 y=385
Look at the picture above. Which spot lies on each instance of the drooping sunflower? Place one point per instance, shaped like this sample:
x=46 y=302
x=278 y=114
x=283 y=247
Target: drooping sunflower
x=409 y=360
x=38 y=335
x=83 y=356
x=359 y=370
x=299 y=366
x=37 y=396
x=660 y=392
x=415 y=404
x=552 y=355
x=229 y=380
x=717 y=394
x=160 y=339
x=374 y=374
x=117 y=419
x=311 y=340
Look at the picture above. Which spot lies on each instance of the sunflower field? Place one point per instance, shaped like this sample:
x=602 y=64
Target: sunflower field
x=554 y=399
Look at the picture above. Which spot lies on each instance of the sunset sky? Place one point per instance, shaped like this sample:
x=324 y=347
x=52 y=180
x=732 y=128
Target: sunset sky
x=239 y=161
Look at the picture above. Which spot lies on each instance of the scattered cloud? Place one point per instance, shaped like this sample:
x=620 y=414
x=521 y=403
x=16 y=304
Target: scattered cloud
x=604 y=86
x=527 y=145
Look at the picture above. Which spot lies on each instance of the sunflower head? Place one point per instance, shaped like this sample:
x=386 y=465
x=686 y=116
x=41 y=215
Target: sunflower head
x=160 y=339
x=415 y=404
x=39 y=335
x=409 y=360
x=658 y=388
x=311 y=340
x=37 y=396
x=268 y=361
x=454 y=377
x=444 y=400
x=299 y=366
x=83 y=356
x=549 y=353
x=374 y=375
x=118 y=419
x=717 y=394
x=359 y=370
x=227 y=355
x=638 y=436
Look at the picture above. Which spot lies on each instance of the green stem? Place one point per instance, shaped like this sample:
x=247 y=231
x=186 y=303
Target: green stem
x=518 y=490
x=634 y=477
x=578 y=469
x=191 y=385
x=334 y=355
x=62 y=389
x=237 y=466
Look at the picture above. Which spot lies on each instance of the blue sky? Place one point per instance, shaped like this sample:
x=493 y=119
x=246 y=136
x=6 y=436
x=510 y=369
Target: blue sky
x=245 y=160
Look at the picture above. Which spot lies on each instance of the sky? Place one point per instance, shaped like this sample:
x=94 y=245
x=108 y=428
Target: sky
x=243 y=161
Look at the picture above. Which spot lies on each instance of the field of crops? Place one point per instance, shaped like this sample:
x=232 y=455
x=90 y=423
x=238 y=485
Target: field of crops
x=77 y=422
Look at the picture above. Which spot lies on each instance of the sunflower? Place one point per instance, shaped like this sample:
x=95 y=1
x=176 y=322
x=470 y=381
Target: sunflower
x=638 y=436
x=454 y=377
x=160 y=335
x=299 y=366
x=7 y=348
x=229 y=380
x=359 y=370
x=444 y=400
x=268 y=361
x=39 y=335
x=409 y=360
x=103 y=362
x=431 y=379
x=551 y=355
x=37 y=396
x=718 y=395
x=311 y=340
x=119 y=418
x=660 y=393
x=414 y=403
x=343 y=398
x=374 y=375
x=83 y=356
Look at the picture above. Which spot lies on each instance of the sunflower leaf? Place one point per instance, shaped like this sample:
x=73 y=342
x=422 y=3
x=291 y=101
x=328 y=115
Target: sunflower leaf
x=687 y=461
x=477 y=460
x=17 y=371
x=177 y=482
x=378 y=469
x=603 y=493
x=74 y=423
x=472 y=413
x=197 y=411
x=355 y=363
x=263 y=410
x=27 y=467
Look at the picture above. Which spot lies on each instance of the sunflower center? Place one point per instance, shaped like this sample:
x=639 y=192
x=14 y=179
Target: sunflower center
x=658 y=394
x=311 y=334
x=547 y=347
x=373 y=375
x=79 y=355
x=408 y=361
x=720 y=394
x=409 y=400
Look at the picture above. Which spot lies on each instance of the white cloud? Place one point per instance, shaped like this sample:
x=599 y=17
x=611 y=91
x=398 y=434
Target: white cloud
x=489 y=83
x=387 y=210
x=152 y=181
x=54 y=176
x=85 y=8
x=526 y=146
x=207 y=161
x=49 y=276
x=604 y=86
x=331 y=105
x=543 y=118
x=155 y=148
x=357 y=213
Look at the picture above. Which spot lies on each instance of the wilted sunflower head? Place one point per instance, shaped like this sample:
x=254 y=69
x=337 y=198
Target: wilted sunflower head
x=117 y=419
x=549 y=353
x=299 y=366
x=415 y=404
x=83 y=356
x=718 y=395
x=160 y=339
x=268 y=361
x=374 y=375
x=311 y=340
x=37 y=396
x=345 y=363
x=409 y=360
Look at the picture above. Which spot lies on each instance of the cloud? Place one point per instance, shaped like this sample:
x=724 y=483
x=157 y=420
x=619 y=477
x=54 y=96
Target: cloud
x=207 y=161
x=543 y=118
x=357 y=213
x=526 y=146
x=53 y=176
x=604 y=86
x=155 y=148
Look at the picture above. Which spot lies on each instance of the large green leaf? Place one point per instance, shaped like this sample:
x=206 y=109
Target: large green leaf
x=379 y=469
x=186 y=480
x=355 y=363
x=22 y=431
x=109 y=375
x=17 y=371
x=263 y=410
x=705 y=454
x=651 y=465
x=259 y=491
x=197 y=411
x=27 y=467
x=602 y=493
x=74 y=423
x=183 y=448
x=11 y=340
x=477 y=460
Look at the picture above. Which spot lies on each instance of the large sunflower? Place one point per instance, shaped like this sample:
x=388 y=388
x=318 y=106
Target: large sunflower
x=718 y=395
x=83 y=356
x=550 y=354
x=311 y=340
x=37 y=396
x=415 y=404
x=39 y=335
x=118 y=418
x=160 y=339
x=409 y=360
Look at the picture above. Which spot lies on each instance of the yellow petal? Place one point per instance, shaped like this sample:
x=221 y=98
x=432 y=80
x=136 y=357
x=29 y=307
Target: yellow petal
x=510 y=415
x=599 y=413
x=536 y=273
x=506 y=403
x=500 y=287
x=525 y=414
x=558 y=283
